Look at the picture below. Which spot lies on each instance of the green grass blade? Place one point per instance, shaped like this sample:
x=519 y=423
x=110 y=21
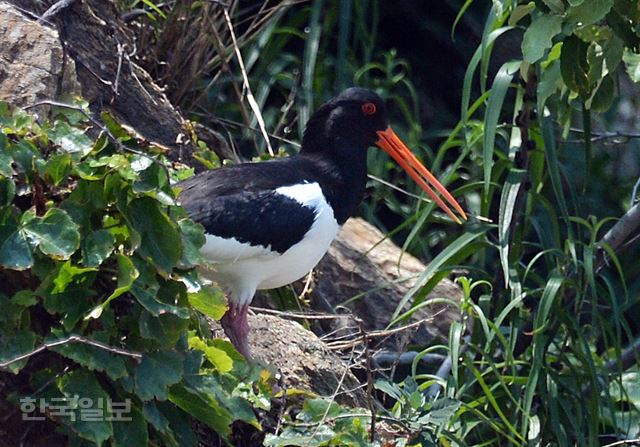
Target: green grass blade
x=505 y=216
x=435 y=265
x=498 y=92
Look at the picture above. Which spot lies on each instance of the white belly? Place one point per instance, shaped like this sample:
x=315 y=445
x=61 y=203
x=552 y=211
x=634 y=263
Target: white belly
x=241 y=268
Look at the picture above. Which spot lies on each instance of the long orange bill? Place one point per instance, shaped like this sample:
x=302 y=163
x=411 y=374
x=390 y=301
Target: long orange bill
x=393 y=145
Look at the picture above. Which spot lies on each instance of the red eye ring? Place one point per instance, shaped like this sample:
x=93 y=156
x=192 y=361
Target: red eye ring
x=369 y=108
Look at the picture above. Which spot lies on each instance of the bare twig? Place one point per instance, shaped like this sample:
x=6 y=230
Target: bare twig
x=73 y=339
x=375 y=334
x=627 y=359
x=333 y=396
x=624 y=442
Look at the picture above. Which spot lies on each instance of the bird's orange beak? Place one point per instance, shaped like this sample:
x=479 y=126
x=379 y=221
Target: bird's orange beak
x=393 y=145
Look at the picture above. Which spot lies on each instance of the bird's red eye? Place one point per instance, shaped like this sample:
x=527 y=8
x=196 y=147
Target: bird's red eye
x=368 y=108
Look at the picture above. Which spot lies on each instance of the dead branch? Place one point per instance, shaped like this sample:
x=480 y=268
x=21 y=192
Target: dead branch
x=73 y=339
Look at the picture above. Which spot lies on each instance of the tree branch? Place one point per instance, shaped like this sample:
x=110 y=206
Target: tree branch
x=72 y=339
x=618 y=234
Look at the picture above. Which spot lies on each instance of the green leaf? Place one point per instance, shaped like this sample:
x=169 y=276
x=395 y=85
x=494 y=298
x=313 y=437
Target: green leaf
x=550 y=82
x=160 y=242
x=433 y=267
x=157 y=299
x=5 y=159
x=589 y=12
x=156 y=373
x=494 y=106
x=216 y=356
x=127 y=273
x=71 y=139
x=507 y=205
x=133 y=432
x=14 y=344
x=538 y=36
x=603 y=96
x=573 y=65
x=96 y=247
x=82 y=384
x=91 y=357
x=7 y=191
x=193 y=238
x=24 y=298
x=204 y=408
x=55 y=233
x=210 y=301
x=613 y=51
x=67 y=274
x=15 y=252
x=58 y=168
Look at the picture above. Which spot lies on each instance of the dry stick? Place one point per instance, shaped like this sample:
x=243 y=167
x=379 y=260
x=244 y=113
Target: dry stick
x=245 y=79
x=73 y=339
x=624 y=442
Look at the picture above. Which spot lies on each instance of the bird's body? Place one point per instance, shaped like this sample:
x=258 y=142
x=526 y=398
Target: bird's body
x=268 y=224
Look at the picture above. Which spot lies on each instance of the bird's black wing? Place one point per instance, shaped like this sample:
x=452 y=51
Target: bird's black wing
x=241 y=202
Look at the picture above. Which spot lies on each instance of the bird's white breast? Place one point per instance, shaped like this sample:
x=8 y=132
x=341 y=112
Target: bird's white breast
x=241 y=268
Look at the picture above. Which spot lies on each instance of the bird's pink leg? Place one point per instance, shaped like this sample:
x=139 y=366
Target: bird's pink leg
x=236 y=326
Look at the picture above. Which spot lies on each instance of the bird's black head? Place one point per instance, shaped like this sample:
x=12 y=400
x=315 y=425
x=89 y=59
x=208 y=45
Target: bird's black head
x=350 y=119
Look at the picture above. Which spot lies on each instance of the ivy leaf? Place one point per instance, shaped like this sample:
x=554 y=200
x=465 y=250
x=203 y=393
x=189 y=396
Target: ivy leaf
x=82 y=384
x=15 y=252
x=91 y=357
x=57 y=168
x=193 y=238
x=202 y=407
x=149 y=293
x=72 y=140
x=216 y=356
x=5 y=159
x=133 y=432
x=55 y=233
x=210 y=301
x=7 y=191
x=14 y=344
x=160 y=240
x=156 y=373
x=164 y=330
x=97 y=247
x=127 y=273
x=67 y=274
x=538 y=36
x=153 y=181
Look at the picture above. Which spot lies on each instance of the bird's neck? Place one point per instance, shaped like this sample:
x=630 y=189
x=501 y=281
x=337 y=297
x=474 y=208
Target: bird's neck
x=342 y=174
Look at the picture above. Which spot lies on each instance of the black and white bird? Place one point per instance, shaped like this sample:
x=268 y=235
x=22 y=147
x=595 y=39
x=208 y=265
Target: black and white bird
x=268 y=224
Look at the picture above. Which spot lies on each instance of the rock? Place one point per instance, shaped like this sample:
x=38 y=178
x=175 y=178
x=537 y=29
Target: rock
x=302 y=358
x=32 y=62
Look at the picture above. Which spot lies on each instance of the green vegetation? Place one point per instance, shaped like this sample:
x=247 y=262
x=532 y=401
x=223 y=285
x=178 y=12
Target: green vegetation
x=548 y=305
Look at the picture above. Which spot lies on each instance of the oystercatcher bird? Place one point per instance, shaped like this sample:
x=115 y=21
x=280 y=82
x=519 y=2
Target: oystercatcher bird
x=268 y=224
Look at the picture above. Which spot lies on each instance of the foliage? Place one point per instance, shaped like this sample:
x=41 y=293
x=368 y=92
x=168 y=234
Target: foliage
x=94 y=245
x=535 y=359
